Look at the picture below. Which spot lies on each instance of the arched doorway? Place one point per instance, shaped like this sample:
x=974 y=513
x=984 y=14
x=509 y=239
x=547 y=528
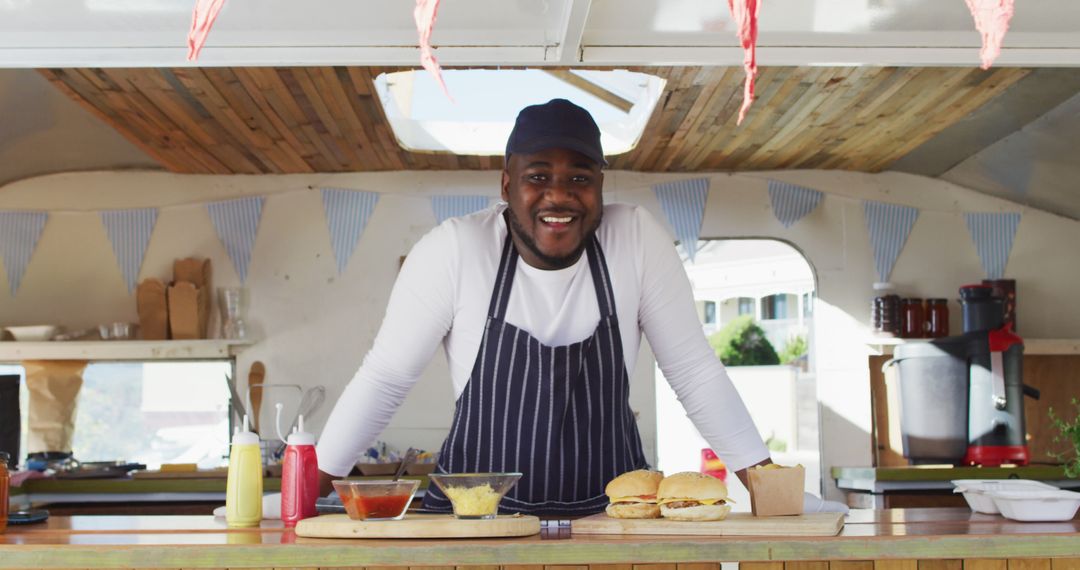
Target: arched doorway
x=768 y=286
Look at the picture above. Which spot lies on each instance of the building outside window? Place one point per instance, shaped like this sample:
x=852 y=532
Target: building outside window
x=746 y=306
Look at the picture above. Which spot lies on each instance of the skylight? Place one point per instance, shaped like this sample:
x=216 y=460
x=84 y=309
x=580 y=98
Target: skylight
x=486 y=102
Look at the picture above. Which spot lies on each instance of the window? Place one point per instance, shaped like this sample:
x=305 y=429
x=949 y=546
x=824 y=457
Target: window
x=774 y=307
x=487 y=101
x=152 y=413
x=746 y=306
x=710 y=313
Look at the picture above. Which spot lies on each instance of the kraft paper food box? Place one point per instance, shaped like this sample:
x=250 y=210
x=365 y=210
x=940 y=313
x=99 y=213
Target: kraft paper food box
x=776 y=490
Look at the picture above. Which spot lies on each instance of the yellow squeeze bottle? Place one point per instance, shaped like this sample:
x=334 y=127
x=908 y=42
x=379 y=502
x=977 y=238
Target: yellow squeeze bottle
x=244 y=487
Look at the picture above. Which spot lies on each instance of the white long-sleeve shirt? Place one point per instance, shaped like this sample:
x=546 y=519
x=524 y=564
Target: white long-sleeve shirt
x=442 y=295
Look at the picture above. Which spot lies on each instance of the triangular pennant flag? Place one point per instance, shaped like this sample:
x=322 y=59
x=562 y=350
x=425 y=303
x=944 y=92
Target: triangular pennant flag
x=684 y=204
x=745 y=15
x=347 y=214
x=453 y=206
x=889 y=226
x=992 y=20
x=19 y=234
x=236 y=222
x=424 y=16
x=129 y=232
x=993 y=235
x=791 y=203
x=202 y=19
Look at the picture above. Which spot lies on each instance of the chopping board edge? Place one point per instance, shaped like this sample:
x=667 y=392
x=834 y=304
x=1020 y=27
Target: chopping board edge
x=418 y=526
x=737 y=524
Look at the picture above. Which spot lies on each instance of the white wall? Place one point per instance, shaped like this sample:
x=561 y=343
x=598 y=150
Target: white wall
x=315 y=326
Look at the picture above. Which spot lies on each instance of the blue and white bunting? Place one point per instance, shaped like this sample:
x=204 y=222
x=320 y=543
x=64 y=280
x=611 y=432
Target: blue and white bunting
x=237 y=222
x=791 y=202
x=889 y=225
x=347 y=214
x=453 y=206
x=19 y=234
x=993 y=235
x=129 y=232
x=684 y=204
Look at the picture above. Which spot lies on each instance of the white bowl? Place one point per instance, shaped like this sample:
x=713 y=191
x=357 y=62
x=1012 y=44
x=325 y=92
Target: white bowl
x=1037 y=505
x=33 y=333
x=976 y=491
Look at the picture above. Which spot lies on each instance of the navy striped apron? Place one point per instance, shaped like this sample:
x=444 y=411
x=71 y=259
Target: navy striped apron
x=558 y=414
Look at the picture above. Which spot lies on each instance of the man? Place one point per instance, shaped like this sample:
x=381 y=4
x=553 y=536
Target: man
x=540 y=305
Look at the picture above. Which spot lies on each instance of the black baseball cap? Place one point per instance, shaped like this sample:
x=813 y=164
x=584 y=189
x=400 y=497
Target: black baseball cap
x=555 y=124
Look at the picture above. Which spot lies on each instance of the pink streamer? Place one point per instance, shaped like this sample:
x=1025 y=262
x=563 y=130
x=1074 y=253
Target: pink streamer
x=202 y=19
x=992 y=20
x=745 y=14
x=424 y=15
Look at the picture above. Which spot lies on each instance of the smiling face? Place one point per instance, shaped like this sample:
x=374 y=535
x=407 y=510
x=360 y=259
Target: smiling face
x=555 y=203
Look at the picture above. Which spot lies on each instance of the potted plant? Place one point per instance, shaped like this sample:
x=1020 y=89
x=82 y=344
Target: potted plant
x=1069 y=434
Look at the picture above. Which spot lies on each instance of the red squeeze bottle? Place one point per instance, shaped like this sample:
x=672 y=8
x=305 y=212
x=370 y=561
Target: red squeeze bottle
x=299 y=477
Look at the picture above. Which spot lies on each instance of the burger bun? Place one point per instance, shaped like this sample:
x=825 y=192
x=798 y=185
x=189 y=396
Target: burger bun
x=634 y=511
x=692 y=486
x=634 y=484
x=698 y=513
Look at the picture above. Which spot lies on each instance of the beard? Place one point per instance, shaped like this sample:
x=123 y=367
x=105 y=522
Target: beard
x=556 y=262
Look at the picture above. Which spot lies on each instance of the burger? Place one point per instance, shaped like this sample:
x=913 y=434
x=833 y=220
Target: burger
x=633 y=495
x=693 y=497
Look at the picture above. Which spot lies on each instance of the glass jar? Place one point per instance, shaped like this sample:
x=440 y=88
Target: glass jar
x=912 y=318
x=937 y=318
x=885 y=315
x=5 y=482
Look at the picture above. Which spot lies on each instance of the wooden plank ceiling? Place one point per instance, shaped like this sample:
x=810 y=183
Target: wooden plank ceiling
x=328 y=119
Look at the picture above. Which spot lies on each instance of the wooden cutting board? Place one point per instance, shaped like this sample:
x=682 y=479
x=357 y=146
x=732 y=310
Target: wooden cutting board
x=736 y=524
x=417 y=526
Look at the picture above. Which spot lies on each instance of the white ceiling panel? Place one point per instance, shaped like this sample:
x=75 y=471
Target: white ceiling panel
x=112 y=33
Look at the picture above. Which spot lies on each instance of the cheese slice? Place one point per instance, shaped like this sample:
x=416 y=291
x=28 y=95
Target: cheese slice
x=631 y=500
x=702 y=501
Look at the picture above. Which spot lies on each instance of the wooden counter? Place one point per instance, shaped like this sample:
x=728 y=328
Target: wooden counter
x=914 y=539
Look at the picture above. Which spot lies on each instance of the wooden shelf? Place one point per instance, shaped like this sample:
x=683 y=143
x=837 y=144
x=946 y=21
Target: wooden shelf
x=1041 y=346
x=121 y=350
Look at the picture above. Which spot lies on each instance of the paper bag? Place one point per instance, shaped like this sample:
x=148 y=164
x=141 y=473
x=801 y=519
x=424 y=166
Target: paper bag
x=53 y=386
x=184 y=300
x=153 y=308
x=190 y=295
x=776 y=491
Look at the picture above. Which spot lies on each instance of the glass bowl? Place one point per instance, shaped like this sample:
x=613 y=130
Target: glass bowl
x=475 y=495
x=376 y=500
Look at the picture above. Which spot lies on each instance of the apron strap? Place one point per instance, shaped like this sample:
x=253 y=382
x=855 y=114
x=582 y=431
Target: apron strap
x=601 y=278
x=504 y=279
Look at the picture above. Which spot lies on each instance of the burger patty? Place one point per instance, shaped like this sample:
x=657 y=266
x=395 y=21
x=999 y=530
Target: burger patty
x=687 y=504
x=634 y=503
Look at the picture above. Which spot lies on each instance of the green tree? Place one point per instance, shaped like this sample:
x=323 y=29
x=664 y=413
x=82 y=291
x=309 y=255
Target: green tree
x=742 y=343
x=793 y=349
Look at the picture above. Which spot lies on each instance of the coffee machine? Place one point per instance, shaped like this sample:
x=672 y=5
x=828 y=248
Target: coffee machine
x=962 y=398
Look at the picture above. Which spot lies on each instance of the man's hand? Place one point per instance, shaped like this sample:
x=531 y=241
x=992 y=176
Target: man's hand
x=815 y=504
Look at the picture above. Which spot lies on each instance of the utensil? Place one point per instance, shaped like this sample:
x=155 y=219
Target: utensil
x=311 y=401
x=237 y=403
x=410 y=456
x=256 y=375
